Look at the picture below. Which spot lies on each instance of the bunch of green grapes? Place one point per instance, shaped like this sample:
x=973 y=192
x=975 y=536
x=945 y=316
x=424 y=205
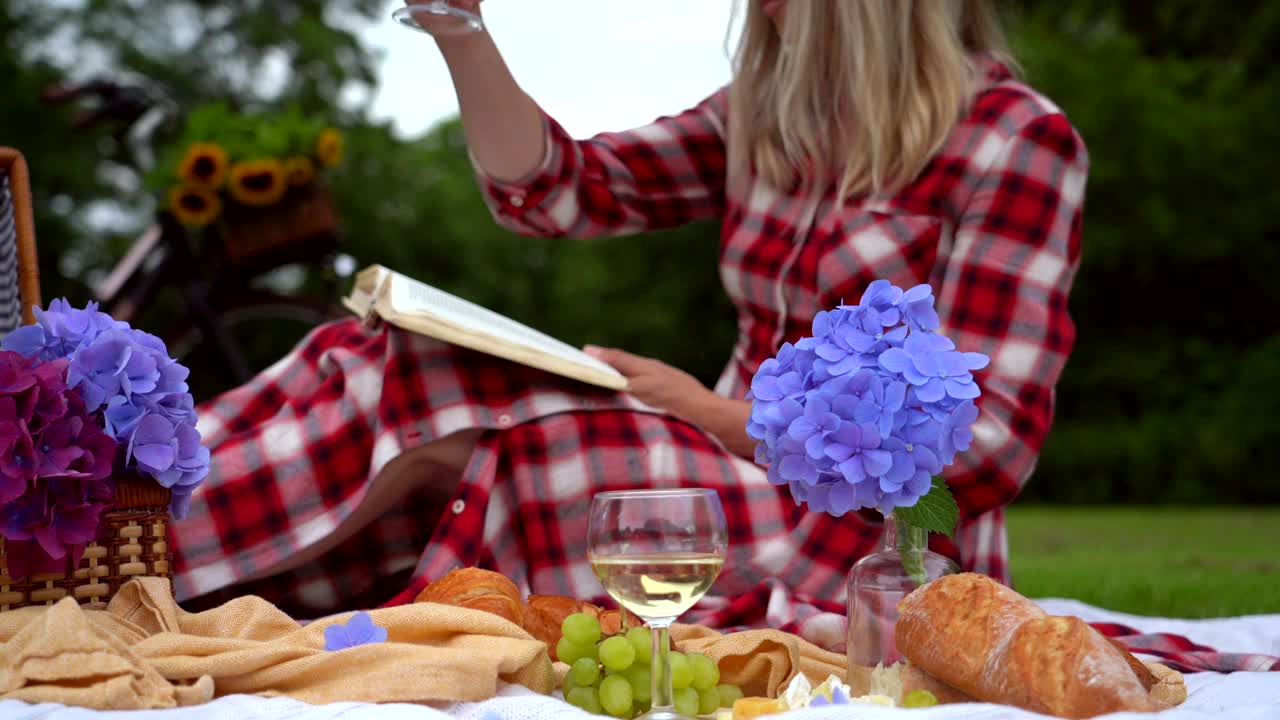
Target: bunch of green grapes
x=610 y=675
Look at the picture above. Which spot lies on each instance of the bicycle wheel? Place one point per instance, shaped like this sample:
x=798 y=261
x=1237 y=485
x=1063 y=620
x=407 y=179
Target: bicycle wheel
x=262 y=329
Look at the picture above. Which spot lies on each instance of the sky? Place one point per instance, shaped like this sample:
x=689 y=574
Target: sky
x=594 y=65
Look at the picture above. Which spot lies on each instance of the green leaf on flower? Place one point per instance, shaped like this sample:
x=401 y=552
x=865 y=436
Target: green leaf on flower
x=936 y=512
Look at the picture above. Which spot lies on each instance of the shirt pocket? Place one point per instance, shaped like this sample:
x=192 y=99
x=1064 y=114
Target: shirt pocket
x=878 y=244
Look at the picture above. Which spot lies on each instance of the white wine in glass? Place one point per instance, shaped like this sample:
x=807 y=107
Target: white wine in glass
x=438 y=17
x=658 y=585
x=657 y=552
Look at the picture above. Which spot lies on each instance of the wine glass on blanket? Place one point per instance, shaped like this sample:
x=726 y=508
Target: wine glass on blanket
x=438 y=17
x=657 y=552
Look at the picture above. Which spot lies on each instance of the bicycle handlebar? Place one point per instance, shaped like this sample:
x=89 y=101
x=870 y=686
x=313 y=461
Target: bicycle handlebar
x=114 y=102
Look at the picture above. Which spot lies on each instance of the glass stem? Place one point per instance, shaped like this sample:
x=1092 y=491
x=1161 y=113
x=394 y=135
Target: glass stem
x=660 y=666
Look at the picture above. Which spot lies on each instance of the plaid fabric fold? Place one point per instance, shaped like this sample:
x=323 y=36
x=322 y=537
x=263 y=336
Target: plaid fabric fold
x=1186 y=656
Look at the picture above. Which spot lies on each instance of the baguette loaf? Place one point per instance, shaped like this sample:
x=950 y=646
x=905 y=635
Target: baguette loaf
x=913 y=678
x=989 y=642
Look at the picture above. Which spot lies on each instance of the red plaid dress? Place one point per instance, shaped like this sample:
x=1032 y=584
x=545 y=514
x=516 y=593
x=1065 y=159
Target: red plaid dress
x=993 y=224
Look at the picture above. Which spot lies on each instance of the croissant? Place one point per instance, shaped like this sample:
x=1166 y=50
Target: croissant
x=477 y=589
x=989 y=642
x=541 y=616
x=544 y=615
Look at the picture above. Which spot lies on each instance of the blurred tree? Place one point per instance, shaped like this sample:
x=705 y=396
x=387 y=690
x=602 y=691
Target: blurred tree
x=1170 y=393
x=65 y=181
x=249 y=53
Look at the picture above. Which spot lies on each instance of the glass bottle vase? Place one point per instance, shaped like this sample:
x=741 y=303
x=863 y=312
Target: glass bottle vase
x=875 y=585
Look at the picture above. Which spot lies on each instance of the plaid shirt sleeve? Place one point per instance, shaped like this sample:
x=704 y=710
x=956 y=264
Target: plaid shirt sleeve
x=665 y=174
x=1004 y=292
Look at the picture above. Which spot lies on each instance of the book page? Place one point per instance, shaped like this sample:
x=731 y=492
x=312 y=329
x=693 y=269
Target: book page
x=410 y=296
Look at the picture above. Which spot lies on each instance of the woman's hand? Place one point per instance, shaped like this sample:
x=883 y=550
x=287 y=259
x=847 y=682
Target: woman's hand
x=654 y=382
x=444 y=26
x=661 y=386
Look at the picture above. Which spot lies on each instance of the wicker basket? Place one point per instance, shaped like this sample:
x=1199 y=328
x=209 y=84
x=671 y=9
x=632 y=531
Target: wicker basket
x=304 y=224
x=134 y=543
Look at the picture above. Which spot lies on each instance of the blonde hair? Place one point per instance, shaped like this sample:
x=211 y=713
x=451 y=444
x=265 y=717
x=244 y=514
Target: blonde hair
x=860 y=93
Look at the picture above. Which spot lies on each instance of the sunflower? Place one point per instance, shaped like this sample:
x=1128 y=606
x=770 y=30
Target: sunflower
x=194 y=205
x=204 y=164
x=258 y=183
x=329 y=147
x=299 y=170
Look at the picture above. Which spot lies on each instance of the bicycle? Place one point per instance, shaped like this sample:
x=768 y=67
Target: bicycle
x=229 y=323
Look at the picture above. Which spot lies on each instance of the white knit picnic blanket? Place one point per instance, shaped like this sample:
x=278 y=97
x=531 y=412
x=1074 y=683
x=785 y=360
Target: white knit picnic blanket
x=1238 y=696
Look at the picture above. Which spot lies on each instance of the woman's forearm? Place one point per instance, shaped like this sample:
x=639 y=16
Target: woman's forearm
x=503 y=125
x=725 y=419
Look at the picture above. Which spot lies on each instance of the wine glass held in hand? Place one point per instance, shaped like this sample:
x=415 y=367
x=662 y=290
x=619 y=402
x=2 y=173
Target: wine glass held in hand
x=657 y=552
x=440 y=17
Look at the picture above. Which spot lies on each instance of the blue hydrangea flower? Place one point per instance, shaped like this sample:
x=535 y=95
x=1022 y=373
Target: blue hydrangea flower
x=180 y=499
x=917 y=308
x=955 y=433
x=60 y=330
x=777 y=379
x=127 y=376
x=113 y=364
x=359 y=630
x=122 y=416
x=169 y=452
x=878 y=402
x=883 y=297
x=867 y=410
x=935 y=370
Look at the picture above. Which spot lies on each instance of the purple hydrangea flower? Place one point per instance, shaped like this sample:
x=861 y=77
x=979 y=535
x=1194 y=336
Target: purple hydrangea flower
x=34 y=407
x=75 y=447
x=55 y=465
x=18 y=461
x=359 y=630
x=52 y=521
x=130 y=383
x=866 y=411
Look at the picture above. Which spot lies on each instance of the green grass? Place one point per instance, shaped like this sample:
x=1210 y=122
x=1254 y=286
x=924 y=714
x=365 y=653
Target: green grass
x=1170 y=562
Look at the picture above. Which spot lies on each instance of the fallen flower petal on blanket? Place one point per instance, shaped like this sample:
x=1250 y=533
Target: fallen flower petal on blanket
x=359 y=630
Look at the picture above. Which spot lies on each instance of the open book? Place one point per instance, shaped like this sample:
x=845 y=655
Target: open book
x=417 y=307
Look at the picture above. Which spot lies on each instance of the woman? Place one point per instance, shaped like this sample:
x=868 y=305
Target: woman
x=859 y=139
